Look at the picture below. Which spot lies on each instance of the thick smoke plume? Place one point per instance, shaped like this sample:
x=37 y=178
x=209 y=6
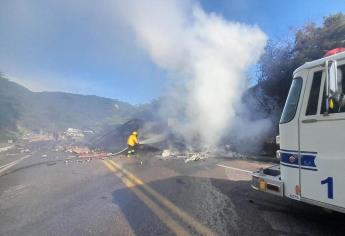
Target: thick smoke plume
x=207 y=55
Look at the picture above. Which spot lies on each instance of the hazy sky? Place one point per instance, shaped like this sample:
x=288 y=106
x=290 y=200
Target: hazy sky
x=81 y=46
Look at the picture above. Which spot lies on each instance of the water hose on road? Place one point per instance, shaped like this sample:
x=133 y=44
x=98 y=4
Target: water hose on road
x=117 y=153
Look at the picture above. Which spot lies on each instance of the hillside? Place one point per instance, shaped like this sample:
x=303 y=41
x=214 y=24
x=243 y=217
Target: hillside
x=56 y=111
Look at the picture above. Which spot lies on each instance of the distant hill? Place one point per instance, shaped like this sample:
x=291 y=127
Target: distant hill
x=22 y=109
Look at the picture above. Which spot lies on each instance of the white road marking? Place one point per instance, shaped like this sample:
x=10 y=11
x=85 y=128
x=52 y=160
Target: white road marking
x=234 y=168
x=13 y=163
x=4 y=149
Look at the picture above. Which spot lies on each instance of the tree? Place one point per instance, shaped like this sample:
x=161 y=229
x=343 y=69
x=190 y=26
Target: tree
x=310 y=42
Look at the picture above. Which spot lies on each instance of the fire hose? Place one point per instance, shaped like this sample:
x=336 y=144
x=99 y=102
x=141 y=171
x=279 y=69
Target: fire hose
x=117 y=153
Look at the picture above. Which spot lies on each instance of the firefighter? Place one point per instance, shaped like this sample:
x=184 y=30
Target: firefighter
x=132 y=142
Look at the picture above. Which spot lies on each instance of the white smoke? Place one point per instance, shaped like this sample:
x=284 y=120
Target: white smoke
x=207 y=53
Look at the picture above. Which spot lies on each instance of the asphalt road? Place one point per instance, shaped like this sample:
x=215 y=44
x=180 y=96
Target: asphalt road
x=43 y=195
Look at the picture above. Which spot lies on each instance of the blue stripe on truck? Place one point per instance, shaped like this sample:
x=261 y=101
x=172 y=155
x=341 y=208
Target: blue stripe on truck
x=291 y=160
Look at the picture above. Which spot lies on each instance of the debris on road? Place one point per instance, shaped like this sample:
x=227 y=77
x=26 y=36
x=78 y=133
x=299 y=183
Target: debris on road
x=166 y=153
x=169 y=154
x=87 y=157
x=78 y=150
x=188 y=156
x=24 y=151
x=79 y=161
x=197 y=156
x=59 y=148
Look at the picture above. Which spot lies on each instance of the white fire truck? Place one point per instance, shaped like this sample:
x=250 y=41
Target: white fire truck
x=311 y=137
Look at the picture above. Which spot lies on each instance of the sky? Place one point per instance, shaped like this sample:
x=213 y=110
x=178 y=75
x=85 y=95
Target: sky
x=81 y=46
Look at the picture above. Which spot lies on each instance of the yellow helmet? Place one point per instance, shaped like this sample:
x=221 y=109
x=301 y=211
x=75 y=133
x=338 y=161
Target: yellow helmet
x=135 y=133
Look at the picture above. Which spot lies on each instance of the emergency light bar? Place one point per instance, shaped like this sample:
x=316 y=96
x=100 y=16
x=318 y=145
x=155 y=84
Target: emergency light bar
x=334 y=51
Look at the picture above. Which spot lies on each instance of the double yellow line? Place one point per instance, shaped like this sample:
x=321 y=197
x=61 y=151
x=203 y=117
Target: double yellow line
x=149 y=196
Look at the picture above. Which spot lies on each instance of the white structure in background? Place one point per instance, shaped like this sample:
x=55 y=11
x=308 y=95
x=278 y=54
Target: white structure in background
x=88 y=132
x=311 y=137
x=74 y=133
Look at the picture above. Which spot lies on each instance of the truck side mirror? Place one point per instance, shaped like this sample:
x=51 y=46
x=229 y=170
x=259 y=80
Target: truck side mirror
x=332 y=78
x=334 y=89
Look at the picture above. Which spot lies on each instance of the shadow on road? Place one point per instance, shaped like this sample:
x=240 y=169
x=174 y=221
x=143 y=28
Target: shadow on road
x=226 y=207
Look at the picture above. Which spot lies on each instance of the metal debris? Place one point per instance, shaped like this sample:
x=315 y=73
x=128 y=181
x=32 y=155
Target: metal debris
x=169 y=154
x=59 y=148
x=79 y=150
x=187 y=156
x=196 y=156
x=78 y=161
x=166 y=153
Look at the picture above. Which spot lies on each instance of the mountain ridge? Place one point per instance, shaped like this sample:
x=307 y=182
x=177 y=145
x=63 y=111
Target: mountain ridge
x=23 y=109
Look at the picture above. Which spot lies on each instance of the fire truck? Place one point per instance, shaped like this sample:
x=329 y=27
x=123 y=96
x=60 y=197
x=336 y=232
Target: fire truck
x=311 y=137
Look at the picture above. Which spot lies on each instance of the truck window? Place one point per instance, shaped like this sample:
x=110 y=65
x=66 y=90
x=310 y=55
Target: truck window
x=314 y=94
x=292 y=101
x=337 y=106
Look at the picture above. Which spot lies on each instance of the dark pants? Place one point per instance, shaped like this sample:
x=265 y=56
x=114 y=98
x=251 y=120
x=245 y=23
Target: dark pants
x=131 y=149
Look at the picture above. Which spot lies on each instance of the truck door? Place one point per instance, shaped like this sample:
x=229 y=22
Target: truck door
x=322 y=144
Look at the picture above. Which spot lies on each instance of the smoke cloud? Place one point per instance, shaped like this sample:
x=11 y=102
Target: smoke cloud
x=206 y=55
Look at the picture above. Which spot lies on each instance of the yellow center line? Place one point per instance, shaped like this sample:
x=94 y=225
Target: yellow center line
x=200 y=228
x=165 y=218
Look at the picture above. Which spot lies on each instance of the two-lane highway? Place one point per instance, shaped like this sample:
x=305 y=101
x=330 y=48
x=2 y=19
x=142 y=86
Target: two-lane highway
x=44 y=195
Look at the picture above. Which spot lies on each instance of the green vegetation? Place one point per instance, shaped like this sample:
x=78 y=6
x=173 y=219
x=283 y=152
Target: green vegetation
x=276 y=66
x=55 y=111
x=282 y=58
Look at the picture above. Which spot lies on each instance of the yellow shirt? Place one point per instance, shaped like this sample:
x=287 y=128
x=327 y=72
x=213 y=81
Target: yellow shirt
x=132 y=140
x=331 y=103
